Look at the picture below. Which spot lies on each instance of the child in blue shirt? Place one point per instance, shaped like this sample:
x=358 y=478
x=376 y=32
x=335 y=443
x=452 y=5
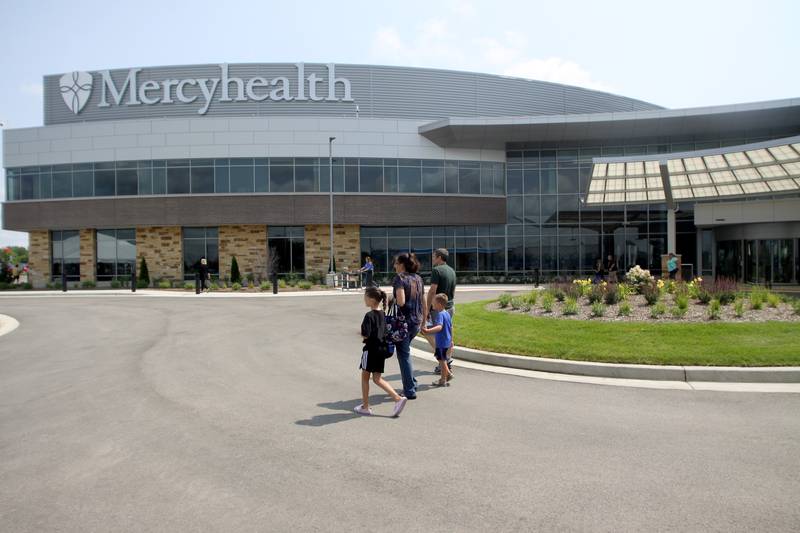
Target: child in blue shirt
x=443 y=328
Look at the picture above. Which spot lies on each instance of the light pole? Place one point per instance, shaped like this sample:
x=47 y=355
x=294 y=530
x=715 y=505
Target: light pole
x=330 y=170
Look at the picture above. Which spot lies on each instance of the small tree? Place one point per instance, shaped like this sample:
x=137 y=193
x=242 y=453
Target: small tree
x=144 y=274
x=236 y=277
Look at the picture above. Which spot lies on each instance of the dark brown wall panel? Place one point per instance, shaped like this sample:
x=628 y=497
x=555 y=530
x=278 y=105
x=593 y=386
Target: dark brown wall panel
x=284 y=210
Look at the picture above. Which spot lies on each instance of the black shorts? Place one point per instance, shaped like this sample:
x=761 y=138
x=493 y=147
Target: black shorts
x=372 y=361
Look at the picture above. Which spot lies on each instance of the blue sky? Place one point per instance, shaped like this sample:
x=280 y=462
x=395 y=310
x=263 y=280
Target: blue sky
x=675 y=54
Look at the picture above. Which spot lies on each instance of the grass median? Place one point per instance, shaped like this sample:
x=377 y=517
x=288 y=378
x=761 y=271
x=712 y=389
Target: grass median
x=707 y=344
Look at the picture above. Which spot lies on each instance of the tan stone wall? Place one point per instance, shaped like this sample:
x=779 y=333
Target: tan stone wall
x=346 y=245
x=162 y=248
x=248 y=243
x=88 y=247
x=39 y=258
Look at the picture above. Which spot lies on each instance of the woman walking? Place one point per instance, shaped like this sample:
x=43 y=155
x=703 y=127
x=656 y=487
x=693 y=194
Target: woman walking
x=408 y=293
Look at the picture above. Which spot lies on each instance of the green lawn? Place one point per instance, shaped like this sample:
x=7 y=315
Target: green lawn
x=713 y=343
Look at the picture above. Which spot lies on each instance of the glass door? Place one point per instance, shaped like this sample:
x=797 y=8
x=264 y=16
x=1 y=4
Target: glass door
x=782 y=260
x=750 y=264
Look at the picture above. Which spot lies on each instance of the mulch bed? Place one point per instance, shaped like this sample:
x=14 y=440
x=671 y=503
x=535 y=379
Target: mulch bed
x=640 y=312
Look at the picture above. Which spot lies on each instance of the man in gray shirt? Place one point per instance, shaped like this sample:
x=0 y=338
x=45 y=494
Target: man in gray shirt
x=443 y=280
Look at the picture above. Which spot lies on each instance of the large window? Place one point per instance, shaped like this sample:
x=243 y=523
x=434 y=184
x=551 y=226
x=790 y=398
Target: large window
x=66 y=254
x=287 y=246
x=473 y=249
x=116 y=253
x=199 y=243
x=255 y=175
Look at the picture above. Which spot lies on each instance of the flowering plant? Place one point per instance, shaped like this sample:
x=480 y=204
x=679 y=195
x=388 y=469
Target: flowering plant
x=639 y=276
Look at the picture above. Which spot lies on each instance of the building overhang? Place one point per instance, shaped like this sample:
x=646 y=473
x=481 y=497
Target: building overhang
x=494 y=132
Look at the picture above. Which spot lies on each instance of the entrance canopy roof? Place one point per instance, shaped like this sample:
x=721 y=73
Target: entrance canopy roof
x=764 y=168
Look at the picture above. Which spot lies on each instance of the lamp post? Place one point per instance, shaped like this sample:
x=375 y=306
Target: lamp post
x=331 y=274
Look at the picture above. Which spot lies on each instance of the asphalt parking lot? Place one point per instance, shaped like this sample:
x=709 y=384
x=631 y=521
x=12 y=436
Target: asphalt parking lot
x=120 y=413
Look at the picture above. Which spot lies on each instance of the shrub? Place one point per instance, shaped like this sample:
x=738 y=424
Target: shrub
x=265 y=286
x=658 y=310
x=796 y=306
x=598 y=309
x=504 y=300
x=558 y=292
x=738 y=307
x=5 y=286
x=115 y=284
x=142 y=283
x=624 y=308
x=583 y=285
x=714 y=308
x=703 y=296
x=612 y=296
x=677 y=312
x=680 y=288
x=144 y=274
x=516 y=302
x=624 y=291
x=282 y=283
x=188 y=285
x=532 y=297
x=724 y=290
x=638 y=277
x=88 y=284
x=304 y=285
x=596 y=294
x=757 y=298
x=164 y=284
x=682 y=301
x=773 y=300
x=570 y=306
x=236 y=276
x=28 y=286
x=547 y=302
x=251 y=278
x=236 y=286
x=651 y=293
x=52 y=285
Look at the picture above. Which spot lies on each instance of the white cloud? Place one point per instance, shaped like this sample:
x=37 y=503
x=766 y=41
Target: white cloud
x=557 y=70
x=433 y=44
x=36 y=89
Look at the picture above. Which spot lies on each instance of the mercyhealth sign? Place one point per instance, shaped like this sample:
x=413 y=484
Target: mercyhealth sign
x=133 y=91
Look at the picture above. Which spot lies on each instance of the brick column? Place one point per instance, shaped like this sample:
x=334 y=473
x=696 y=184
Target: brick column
x=88 y=247
x=162 y=248
x=39 y=258
x=346 y=245
x=249 y=244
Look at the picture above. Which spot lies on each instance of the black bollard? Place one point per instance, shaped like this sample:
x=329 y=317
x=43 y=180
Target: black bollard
x=133 y=277
x=274 y=283
x=197 y=283
x=63 y=279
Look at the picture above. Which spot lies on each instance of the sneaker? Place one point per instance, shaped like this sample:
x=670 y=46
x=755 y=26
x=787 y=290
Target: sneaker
x=399 y=405
x=440 y=384
x=450 y=376
x=437 y=370
x=362 y=411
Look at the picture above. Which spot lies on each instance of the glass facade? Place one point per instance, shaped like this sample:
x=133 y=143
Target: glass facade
x=478 y=250
x=116 y=253
x=199 y=243
x=65 y=254
x=760 y=261
x=286 y=245
x=255 y=175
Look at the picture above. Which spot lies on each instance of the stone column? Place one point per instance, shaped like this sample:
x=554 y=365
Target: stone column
x=248 y=243
x=346 y=246
x=39 y=258
x=162 y=248
x=88 y=247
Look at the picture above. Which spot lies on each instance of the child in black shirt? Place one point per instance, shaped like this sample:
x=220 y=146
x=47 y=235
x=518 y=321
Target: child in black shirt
x=373 y=356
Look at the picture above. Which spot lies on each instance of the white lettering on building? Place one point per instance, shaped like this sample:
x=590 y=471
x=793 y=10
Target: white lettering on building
x=134 y=92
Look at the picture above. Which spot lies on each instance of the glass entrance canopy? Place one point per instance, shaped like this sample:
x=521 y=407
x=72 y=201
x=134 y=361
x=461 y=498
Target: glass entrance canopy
x=765 y=168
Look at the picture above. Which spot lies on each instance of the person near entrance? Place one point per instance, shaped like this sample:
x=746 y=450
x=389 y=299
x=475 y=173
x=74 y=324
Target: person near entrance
x=611 y=269
x=443 y=281
x=203 y=270
x=408 y=292
x=672 y=266
x=368 y=270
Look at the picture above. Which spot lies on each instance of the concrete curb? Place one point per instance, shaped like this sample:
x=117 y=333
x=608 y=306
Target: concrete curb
x=7 y=324
x=624 y=371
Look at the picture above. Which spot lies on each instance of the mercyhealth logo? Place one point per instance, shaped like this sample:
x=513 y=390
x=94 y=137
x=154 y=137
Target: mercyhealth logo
x=76 y=87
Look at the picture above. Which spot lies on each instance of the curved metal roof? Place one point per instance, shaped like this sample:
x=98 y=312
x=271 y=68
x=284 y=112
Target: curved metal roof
x=488 y=132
